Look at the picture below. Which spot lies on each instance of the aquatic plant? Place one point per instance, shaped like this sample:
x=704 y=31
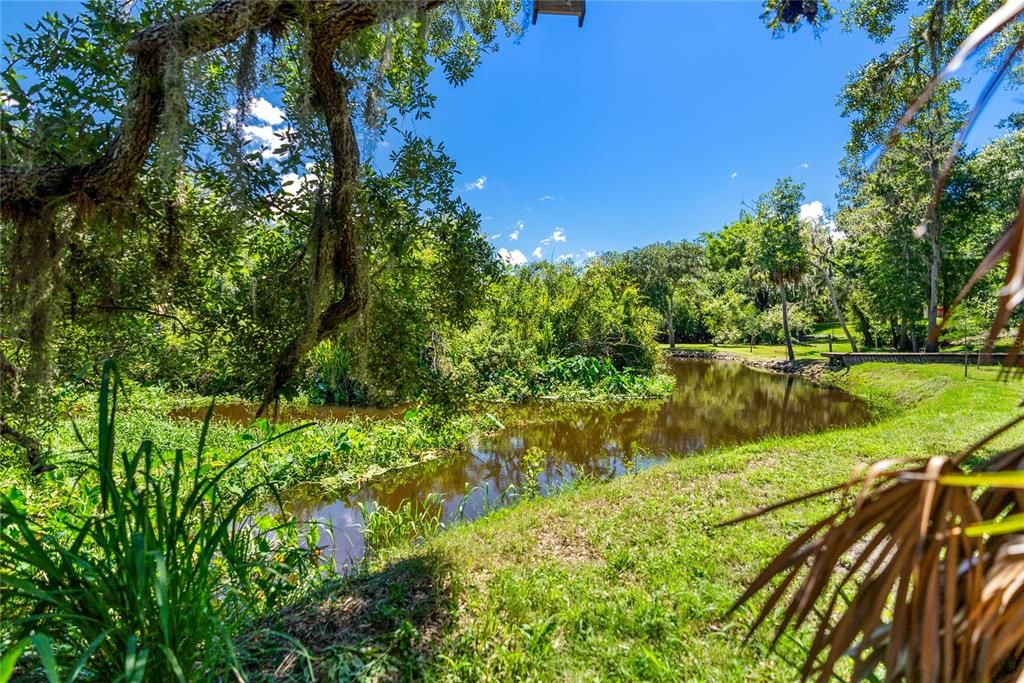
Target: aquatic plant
x=149 y=574
x=599 y=377
x=533 y=466
x=411 y=520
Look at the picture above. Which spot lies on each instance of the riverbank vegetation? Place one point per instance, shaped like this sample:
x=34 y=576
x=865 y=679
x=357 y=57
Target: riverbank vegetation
x=633 y=579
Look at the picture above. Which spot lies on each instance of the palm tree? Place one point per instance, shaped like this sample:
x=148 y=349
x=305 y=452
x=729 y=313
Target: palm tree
x=778 y=250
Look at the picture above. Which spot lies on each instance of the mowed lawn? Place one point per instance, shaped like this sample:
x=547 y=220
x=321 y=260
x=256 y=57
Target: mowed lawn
x=810 y=350
x=632 y=579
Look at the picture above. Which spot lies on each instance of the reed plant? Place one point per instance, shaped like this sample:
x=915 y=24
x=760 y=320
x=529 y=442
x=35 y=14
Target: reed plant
x=149 y=574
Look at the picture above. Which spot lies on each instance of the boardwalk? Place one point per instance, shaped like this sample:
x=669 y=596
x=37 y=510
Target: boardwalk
x=850 y=359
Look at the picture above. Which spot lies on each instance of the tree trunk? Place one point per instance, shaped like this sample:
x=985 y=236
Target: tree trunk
x=934 y=39
x=932 y=345
x=332 y=243
x=904 y=335
x=671 y=324
x=785 y=322
x=865 y=325
x=839 y=311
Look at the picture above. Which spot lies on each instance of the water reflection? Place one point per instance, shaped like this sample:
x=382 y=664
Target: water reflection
x=714 y=404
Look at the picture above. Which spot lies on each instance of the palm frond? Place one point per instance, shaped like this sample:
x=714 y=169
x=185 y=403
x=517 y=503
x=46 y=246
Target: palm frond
x=892 y=580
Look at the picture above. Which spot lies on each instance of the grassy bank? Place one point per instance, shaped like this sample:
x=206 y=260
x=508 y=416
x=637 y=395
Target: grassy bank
x=632 y=579
x=813 y=350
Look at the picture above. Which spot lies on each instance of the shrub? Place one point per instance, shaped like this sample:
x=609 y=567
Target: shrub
x=330 y=376
x=800 y=324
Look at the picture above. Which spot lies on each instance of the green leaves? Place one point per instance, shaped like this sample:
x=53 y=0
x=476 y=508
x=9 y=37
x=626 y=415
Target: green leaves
x=10 y=658
x=156 y=580
x=778 y=249
x=781 y=16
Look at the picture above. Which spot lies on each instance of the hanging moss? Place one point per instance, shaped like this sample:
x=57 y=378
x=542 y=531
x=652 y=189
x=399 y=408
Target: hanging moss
x=173 y=117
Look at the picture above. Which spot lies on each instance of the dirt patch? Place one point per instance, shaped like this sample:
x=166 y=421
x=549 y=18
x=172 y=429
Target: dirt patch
x=568 y=545
x=405 y=607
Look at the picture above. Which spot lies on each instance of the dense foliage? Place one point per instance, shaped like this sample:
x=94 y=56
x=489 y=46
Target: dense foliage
x=862 y=268
x=151 y=573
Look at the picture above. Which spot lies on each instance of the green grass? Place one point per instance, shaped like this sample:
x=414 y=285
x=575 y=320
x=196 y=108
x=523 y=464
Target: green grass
x=632 y=579
x=810 y=351
x=813 y=350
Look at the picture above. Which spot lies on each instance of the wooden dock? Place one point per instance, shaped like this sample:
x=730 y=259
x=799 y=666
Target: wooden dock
x=849 y=359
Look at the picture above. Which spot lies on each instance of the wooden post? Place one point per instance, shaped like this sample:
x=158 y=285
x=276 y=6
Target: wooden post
x=830 y=342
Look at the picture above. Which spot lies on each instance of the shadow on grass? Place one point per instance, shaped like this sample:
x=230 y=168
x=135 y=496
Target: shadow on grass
x=379 y=626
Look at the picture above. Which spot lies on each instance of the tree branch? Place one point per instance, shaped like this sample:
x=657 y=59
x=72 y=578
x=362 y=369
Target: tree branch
x=139 y=309
x=27 y=189
x=32 y=448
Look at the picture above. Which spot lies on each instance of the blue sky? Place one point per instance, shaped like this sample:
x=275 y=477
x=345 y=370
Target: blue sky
x=655 y=121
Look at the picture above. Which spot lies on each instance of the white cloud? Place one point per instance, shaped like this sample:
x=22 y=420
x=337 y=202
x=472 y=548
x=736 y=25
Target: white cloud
x=813 y=212
x=514 y=235
x=478 y=184
x=265 y=135
x=545 y=198
x=804 y=165
x=268 y=138
x=513 y=258
x=494 y=236
x=293 y=183
x=265 y=111
x=537 y=253
x=557 y=236
x=733 y=175
x=565 y=257
x=590 y=253
x=6 y=101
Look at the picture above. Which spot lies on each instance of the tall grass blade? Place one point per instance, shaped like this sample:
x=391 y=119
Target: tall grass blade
x=10 y=658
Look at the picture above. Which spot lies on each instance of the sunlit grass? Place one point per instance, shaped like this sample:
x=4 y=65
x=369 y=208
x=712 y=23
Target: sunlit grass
x=632 y=579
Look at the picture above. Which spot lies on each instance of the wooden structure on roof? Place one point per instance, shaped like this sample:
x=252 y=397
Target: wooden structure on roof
x=572 y=8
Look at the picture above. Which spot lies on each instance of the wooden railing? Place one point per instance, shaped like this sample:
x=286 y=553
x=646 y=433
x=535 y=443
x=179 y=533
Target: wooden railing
x=849 y=359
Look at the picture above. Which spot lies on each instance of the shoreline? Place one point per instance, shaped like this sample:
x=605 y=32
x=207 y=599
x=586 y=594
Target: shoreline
x=811 y=370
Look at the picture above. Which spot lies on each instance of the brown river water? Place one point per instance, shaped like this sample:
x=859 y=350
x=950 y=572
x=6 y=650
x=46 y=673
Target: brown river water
x=714 y=404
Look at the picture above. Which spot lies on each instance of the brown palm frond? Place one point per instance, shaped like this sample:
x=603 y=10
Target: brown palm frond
x=996 y=622
x=896 y=548
x=911 y=576
x=893 y=580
